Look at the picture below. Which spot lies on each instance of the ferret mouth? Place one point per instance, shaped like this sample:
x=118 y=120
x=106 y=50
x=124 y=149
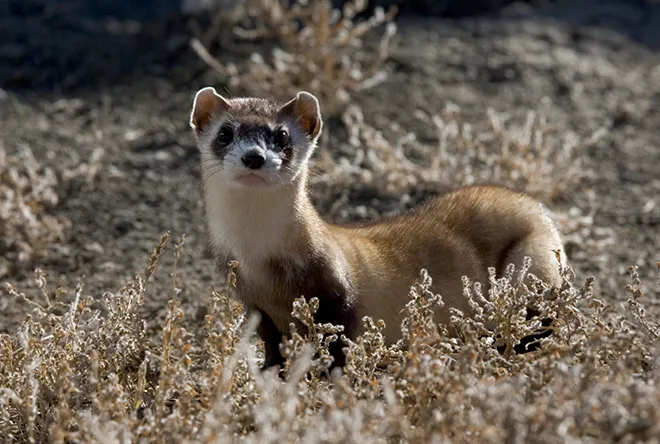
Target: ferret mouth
x=251 y=180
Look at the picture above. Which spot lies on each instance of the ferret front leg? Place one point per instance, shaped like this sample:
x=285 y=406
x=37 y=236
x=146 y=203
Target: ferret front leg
x=333 y=311
x=272 y=338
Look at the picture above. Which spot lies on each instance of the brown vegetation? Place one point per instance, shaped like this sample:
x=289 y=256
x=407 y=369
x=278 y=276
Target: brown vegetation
x=71 y=374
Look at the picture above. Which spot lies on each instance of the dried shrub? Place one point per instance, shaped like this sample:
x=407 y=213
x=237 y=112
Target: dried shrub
x=29 y=192
x=530 y=157
x=317 y=48
x=70 y=374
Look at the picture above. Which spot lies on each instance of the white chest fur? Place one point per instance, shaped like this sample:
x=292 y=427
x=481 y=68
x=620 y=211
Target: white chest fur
x=250 y=223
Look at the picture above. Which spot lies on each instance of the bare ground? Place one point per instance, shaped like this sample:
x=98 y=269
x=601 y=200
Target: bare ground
x=130 y=95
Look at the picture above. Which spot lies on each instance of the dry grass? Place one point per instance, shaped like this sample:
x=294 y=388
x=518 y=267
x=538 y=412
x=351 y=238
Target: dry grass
x=71 y=374
x=527 y=155
x=28 y=194
x=316 y=48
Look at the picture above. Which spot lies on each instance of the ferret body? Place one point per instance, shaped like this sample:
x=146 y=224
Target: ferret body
x=254 y=156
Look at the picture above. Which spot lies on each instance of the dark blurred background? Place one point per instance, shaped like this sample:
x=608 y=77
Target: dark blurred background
x=48 y=45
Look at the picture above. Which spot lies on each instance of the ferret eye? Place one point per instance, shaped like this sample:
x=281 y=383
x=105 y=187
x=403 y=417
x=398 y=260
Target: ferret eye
x=226 y=134
x=282 y=139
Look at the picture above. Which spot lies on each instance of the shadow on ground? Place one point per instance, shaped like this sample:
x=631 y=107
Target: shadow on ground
x=81 y=46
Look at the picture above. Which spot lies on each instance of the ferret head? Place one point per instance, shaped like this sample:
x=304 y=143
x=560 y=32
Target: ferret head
x=254 y=142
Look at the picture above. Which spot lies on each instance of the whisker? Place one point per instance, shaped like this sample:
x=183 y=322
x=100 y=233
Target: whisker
x=206 y=177
x=210 y=176
x=211 y=166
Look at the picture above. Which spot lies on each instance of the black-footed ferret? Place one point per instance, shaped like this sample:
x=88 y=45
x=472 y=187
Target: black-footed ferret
x=254 y=158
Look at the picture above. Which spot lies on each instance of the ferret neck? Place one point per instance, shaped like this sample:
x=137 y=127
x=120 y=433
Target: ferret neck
x=254 y=224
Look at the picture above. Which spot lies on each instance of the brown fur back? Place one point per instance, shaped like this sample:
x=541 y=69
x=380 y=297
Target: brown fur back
x=461 y=233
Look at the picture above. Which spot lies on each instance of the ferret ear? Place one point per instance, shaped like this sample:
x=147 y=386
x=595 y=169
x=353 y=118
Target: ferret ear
x=207 y=104
x=305 y=110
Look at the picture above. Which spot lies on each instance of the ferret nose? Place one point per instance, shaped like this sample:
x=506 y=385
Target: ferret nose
x=253 y=160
